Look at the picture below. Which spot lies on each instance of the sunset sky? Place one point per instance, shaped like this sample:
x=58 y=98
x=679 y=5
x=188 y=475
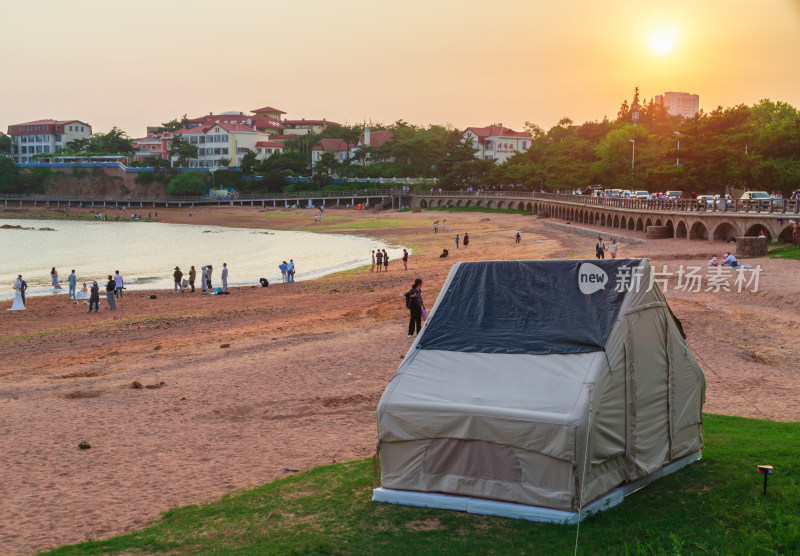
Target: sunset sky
x=464 y=62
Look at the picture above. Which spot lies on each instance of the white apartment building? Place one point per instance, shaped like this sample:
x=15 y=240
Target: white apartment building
x=44 y=136
x=495 y=142
x=680 y=104
x=225 y=140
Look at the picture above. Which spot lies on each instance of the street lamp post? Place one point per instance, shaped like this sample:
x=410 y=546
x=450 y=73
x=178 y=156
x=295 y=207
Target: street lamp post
x=678 y=159
x=633 y=157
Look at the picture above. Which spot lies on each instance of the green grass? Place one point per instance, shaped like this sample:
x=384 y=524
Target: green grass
x=347 y=223
x=477 y=209
x=714 y=506
x=787 y=252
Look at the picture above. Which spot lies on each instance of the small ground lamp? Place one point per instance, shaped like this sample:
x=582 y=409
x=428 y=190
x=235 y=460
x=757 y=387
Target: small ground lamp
x=765 y=470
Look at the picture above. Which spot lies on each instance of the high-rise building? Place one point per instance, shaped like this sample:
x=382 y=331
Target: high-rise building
x=680 y=104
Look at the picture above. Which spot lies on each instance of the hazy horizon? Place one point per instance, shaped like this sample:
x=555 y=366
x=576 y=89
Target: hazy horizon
x=466 y=63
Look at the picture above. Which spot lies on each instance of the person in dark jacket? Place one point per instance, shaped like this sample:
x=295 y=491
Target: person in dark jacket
x=192 y=277
x=94 y=297
x=178 y=275
x=415 y=305
x=110 y=287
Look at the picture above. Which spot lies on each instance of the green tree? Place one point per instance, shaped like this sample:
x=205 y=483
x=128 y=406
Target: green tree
x=9 y=175
x=224 y=162
x=79 y=145
x=249 y=160
x=5 y=145
x=175 y=124
x=187 y=183
x=115 y=141
x=183 y=150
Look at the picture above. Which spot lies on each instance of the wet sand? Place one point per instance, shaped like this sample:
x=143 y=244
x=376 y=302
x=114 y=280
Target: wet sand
x=289 y=376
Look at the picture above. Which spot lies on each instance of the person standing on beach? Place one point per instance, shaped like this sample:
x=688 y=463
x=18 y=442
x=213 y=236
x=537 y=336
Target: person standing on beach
x=94 y=297
x=290 y=271
x=600 y=248
x=612 y=248
x=192 y=277
x=405 y=259
x=444 y=225
x=18 y=304
x=284 y=266
x=118 y=284
x=466 y=239
x=73 y=283
x=385 y=261
x=436 y=227
x=203 y=278
x=54 y=277
x=110 y=287
x=373 y=261
x=456 y=241
x=518 y=238
x=224 y=277
x=379 y=259
x=178 y=276
x=23 y=285
x=209 y=270
x=415 y=305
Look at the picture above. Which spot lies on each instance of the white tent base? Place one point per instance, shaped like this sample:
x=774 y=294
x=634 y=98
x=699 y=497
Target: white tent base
x=522 y=511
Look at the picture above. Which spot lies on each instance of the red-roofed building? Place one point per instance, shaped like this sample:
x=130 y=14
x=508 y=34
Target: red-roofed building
x=155 y=145
x=305 y=127
x=340 y=149
x=373 y=139
x=495 y=142
x=265 y=149
x=44 y=136
x=269 y=112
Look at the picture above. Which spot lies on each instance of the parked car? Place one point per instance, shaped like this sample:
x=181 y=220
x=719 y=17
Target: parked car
x=706 y=201
x=674 y=194
x=642 y=194
x=727 y=203
x=761 y=196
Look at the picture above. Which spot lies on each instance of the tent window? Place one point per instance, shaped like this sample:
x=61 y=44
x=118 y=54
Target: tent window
x=472 y=458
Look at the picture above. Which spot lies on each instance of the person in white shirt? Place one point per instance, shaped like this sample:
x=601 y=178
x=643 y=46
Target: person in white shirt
x=118 y=285
x=224 y=277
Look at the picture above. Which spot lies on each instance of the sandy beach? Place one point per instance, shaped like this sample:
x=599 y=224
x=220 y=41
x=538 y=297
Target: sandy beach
x=269 y=380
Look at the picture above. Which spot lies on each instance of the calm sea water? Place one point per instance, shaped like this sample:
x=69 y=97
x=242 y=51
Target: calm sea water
x=146 y=253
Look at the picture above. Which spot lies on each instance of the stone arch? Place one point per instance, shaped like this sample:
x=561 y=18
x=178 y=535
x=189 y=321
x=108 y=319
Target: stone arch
x=490 y=204
x=658 y=222
x=786 y=235
x=479 y=203
x=591 y=218
x=623 y=223
x=725 y=230
x=529 y=207
x=647 y=223
x=423 y=204
x=449 y=202
x=468 y=203
x=459 y=203
x=639 y=225
x=670 y=228
x=755 y=230
x=521 y=206
x=616 y=221
x=632 y=223
x=602 y=218
x=500 y=204
x=698 y=231
x=440 y=203
x=680 y=229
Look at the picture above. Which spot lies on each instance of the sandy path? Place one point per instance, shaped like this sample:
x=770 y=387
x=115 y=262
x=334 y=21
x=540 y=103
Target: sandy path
x=300 y=380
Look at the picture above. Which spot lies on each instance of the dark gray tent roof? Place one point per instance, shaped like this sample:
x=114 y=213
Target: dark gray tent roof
x=534 y=307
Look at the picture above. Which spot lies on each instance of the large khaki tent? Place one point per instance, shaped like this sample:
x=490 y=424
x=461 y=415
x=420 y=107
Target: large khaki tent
x=541 y=389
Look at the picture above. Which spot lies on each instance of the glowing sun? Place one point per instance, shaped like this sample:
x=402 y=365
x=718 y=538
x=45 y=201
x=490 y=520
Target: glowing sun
x=662 y=43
